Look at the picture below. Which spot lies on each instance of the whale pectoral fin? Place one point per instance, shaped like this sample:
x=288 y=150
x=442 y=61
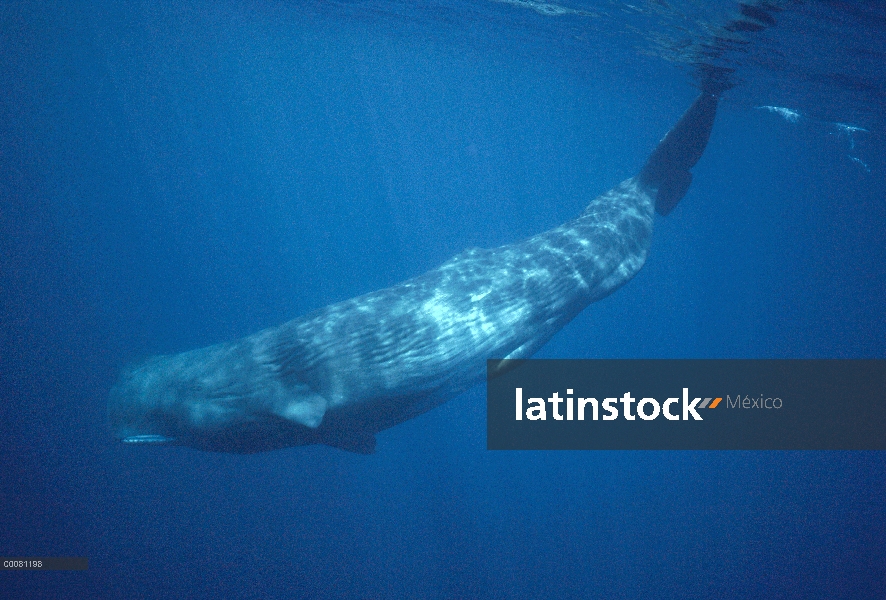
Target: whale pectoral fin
x=306 y=408
x=497 y=368
x=359 y=442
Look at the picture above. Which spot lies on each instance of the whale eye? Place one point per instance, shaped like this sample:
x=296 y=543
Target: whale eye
x=147 y=439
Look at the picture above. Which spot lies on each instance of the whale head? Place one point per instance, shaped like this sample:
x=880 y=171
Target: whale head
x=138 y=407
x=221 y=398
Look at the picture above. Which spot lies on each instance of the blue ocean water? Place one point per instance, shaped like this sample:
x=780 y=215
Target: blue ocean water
x=176 y=174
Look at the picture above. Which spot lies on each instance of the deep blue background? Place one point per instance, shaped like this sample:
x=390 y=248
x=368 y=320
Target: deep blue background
x=178 y=174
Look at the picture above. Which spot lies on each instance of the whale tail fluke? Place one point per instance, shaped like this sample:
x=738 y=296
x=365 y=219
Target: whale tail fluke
x=667 y=169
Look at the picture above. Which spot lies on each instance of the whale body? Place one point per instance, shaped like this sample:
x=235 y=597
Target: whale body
x=341 y=374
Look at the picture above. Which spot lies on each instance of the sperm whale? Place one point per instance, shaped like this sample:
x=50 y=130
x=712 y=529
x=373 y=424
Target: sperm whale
x=341 y=374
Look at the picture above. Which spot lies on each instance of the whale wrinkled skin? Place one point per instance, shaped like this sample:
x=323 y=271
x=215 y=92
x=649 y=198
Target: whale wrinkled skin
x=341 y=374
